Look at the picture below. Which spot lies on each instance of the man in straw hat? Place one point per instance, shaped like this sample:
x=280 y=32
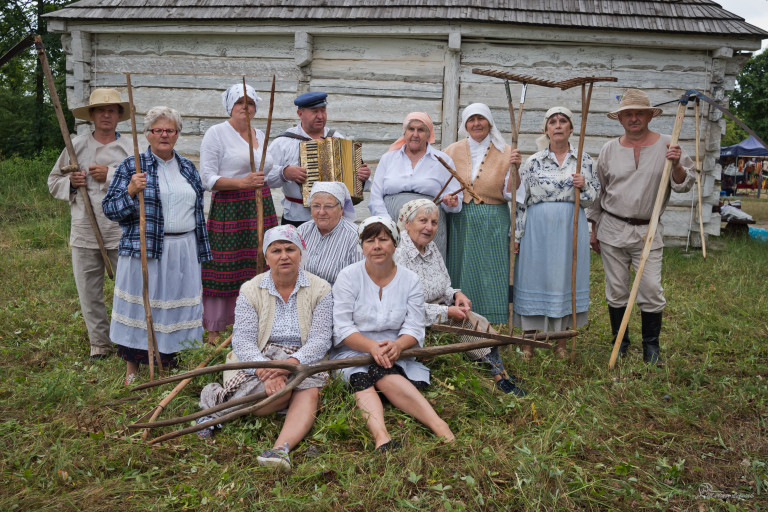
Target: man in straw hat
x=284 y=152
x=98 y=154
x=629 y=169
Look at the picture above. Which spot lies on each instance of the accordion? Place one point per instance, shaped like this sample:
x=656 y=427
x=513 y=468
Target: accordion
x=332 y=159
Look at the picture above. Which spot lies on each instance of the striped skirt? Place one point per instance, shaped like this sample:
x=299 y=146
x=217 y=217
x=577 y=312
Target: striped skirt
x=478 y=258
x=175 y=297
x=233 y=234
x=396 y=201
x=542 y=291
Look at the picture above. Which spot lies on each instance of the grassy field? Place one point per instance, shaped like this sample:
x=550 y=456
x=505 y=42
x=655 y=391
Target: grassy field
x=691 y=435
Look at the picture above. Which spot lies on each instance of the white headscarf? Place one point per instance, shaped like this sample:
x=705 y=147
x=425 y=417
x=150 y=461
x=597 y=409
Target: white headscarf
x=287 y=233
x=483 y=110
x=338 y=190
x=234 y=93
x=388 y=223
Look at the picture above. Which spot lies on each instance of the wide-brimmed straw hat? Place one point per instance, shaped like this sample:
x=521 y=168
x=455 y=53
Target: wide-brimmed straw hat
x=634 y=99
x=102 y=98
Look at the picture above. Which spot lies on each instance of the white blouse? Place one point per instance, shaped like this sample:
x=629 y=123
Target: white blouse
x=357 y=308
x=224 y=154
x=395 y=174
x=177 y=197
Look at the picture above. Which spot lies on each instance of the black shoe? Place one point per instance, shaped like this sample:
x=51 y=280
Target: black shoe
x=651 y=325
x=389 y=446
x=616 y=315
x=508 y=386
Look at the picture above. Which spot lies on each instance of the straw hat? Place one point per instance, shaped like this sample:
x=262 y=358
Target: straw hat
x=102 y=98
x=634 y=99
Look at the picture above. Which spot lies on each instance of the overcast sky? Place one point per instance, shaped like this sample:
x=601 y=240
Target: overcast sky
x=754 y=12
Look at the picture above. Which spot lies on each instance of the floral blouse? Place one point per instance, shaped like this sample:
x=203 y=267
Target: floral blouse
x=547 y=181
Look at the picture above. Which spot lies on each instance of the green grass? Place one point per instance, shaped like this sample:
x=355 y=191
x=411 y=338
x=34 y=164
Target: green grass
x=585 y=438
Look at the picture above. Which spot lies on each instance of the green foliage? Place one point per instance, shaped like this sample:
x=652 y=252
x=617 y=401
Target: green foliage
x=585 y=438
x=733 y=133
x=749 y=102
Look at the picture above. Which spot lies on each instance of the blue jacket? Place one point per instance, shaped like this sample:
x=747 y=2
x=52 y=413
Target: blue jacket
x=120 y=207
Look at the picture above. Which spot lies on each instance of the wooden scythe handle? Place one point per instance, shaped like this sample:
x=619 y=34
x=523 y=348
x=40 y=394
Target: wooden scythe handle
x=698 y=183
x=83 y=191
x=663 y=184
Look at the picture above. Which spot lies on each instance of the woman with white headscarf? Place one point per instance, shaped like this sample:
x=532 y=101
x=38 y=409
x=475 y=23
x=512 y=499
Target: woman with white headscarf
x=379 y=310
x=283 y=314
x=331 y=235
x=411 y=170
x=544 y=233
x=225 y=168
x=478 y=255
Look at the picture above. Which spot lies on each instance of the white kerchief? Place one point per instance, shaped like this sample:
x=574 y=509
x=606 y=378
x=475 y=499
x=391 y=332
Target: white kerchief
x=287 y=233
x=483 y=110
x=234 y=93
x=338 y=190
x=388 y=223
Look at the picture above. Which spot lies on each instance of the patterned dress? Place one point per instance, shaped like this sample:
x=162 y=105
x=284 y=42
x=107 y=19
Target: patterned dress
x=544 y=229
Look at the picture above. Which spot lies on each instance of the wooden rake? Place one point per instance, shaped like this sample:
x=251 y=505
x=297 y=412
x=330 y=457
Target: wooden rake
x=300 y=372
x=585 y=100
x=462 y=182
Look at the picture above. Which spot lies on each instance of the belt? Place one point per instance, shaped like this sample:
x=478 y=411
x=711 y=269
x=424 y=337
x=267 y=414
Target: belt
x=177 y=234
x=629 y=220
x=294 y=200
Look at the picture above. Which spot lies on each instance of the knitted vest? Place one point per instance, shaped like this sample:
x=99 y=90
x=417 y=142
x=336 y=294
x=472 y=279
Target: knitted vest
x=489 y=183
x=264 y=303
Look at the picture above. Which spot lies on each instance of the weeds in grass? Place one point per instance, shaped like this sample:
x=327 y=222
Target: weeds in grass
x=585 y=438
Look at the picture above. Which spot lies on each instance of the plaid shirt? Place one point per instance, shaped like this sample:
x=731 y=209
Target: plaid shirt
x=120 y=207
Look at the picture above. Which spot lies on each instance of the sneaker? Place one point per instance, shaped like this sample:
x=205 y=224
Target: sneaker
x=207 y=432
x=508 y=386
x=275 y=458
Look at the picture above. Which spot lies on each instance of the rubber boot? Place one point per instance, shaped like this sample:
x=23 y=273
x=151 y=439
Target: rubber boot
x=617 y=315
x=651 y=331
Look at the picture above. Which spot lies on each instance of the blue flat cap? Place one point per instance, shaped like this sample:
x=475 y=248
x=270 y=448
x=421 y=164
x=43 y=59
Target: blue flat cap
x=311 y=100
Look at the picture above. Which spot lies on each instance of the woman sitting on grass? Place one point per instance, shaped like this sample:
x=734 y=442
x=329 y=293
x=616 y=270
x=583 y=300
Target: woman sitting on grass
x=379 y=310
x=283 y=314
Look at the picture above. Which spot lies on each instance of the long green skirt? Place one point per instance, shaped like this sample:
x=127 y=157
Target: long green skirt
x=478 y=257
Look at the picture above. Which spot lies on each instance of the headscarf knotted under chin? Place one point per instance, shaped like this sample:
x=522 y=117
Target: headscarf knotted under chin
x=483 y=110
x=415 y=116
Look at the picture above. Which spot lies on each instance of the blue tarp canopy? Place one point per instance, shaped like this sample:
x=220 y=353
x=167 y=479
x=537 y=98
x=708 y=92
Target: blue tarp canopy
x=747 y=147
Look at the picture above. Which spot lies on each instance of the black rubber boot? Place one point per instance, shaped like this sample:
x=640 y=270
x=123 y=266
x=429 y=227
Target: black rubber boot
x=617 y=315
x=651 y=331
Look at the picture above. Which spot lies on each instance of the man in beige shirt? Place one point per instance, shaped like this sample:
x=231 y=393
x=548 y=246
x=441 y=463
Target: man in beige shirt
x=98 y=154
x=629 y=169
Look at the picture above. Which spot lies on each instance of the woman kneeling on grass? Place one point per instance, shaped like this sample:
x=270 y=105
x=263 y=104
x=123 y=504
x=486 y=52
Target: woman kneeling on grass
x=379 y=310
x=283 y=314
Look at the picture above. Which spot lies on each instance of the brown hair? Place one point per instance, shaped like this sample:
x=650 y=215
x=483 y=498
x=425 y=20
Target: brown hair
x=374 y=230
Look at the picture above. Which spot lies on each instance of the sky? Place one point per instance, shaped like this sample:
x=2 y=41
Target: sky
x=754 y=12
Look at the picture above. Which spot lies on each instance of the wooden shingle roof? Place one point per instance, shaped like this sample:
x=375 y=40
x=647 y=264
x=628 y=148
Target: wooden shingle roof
x=680 y=16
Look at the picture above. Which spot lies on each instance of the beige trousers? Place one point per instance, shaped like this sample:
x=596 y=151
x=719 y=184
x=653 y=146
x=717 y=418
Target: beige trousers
x=89 y=271
x=616 y=262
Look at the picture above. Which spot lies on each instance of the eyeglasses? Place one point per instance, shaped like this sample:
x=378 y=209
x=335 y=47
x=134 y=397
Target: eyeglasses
x=159 y=131
x=326 y=207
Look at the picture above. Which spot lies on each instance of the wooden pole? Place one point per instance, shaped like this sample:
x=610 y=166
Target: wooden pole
x=82 y=191
x=181 y=385
x=258 y=193
x=698 y=182
x=514 y=129
x=152 y=351
x=663 y=184
x=585 y=101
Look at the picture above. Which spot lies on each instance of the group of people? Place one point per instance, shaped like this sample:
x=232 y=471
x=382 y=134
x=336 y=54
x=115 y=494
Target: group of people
x=433 y=251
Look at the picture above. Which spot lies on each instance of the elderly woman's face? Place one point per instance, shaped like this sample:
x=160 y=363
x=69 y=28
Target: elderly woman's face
x=423 y=228
x=162 y=137
x=416 y=136
x=379 y=248
x=239 y=110
x=326 y=211
x=478 y=127
x=558 y=128
x=283 y=258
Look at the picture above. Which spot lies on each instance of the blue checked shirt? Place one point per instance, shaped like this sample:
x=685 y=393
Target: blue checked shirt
x=120 y=207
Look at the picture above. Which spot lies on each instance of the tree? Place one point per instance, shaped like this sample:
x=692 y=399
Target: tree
x=749 y=101
x=27 y=120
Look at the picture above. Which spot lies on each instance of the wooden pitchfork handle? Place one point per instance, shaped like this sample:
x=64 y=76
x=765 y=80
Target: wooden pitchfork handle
x=153 y=353
x=698 y=181
x=83 y=191
x=663 y=184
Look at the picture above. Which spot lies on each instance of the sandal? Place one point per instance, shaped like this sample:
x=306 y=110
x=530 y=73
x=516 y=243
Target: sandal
x=130 y=379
